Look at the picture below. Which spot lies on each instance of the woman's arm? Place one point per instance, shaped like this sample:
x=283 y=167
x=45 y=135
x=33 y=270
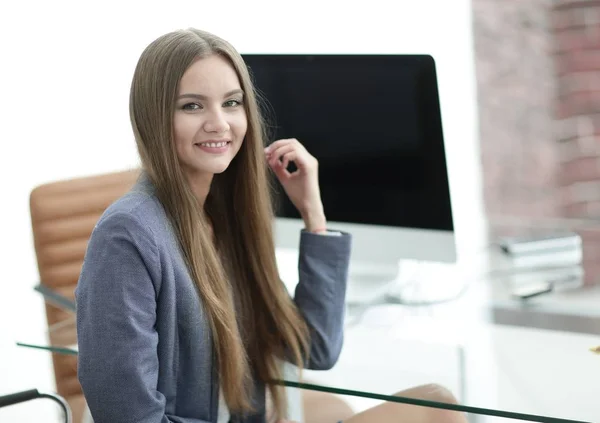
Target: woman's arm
x=320 y=293
x=324 y=260
x=116 y=314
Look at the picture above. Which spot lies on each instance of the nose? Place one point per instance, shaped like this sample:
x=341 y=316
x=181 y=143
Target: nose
x=216 y=122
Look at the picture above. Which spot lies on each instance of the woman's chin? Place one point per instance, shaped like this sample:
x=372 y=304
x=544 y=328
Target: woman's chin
x=222 y=169
x=217 y=168
x=212 y=167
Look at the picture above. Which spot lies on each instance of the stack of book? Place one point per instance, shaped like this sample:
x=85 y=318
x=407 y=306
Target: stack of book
x=542 y=263
x=545 y=244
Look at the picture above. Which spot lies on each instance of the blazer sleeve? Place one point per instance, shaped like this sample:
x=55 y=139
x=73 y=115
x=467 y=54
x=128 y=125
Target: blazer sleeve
x=116 y=313
x=320 y=294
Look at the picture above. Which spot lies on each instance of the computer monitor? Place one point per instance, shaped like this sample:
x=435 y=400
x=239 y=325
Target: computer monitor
x=374 y=124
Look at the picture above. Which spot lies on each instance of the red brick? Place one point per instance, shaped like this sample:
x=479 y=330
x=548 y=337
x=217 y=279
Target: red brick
x=581 y=169
x=577 y=82
x=561 y=64
x=587 y=210
x=592 y=31
x=591 y=267
x=590 y=234
x=591 y=255
x=562 y=110
x=593 y=81
x=596 y=122
x=582 y=38
x=585 y=60
x=563 y=19
x=575 y=210
x=591 y=250
x=563 y=5
x=591 y=276
x=571 y=39
x=578 y=61
x=582 y=103
x=575 y=104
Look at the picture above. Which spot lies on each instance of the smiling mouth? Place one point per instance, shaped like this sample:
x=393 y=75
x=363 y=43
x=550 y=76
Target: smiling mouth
x=214 y=147
x=213 y=144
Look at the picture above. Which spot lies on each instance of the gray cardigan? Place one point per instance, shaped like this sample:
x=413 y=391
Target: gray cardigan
x=145 y=351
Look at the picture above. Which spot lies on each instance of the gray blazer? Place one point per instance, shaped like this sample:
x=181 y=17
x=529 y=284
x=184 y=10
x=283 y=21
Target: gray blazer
x=145 y=351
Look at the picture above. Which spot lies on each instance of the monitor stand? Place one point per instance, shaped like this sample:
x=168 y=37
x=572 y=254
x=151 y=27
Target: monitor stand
x=410 y=282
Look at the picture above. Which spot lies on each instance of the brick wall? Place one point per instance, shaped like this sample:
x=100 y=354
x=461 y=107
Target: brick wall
x=577 y=61
x=576 y=33
x=538 y=72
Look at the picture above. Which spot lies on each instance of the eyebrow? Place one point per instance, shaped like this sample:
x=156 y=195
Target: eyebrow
x=203 y=97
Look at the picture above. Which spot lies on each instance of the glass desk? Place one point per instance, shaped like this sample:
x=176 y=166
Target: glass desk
x=506 y=349
x=494 y=370
x=436 y=411
x=523 y=336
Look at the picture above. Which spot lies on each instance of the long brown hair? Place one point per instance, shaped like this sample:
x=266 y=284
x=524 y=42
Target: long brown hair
x=253 y=321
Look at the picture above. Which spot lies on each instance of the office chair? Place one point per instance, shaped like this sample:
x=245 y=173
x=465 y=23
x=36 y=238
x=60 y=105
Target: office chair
x=63 y=215
x=32 y=394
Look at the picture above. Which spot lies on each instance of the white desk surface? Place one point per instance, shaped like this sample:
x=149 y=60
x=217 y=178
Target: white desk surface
x=485 y=365
x=519 y=369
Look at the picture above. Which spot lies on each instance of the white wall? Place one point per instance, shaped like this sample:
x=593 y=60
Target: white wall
x=64 y=83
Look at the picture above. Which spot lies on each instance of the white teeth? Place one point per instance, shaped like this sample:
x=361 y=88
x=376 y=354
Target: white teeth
x=213 y=144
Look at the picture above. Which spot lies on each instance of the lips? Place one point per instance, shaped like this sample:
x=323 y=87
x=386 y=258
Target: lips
x=213 y=143
x=214 y=146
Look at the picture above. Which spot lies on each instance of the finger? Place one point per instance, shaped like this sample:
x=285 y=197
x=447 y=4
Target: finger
x=285 y=160
x=300 y=157
x=287 y=144
x=279 y=148
x=280 y=171
x=277 y=153
x=290 y=156
x=281 y=142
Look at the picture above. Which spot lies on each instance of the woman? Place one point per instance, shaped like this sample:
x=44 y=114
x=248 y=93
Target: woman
x=181 y=313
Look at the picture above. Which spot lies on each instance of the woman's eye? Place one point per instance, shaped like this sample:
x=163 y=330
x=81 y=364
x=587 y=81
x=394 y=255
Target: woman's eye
x=191 y=106
x=233 y=103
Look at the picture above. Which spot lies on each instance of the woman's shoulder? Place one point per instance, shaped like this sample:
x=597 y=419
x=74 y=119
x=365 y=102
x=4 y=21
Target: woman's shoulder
x=138 y=213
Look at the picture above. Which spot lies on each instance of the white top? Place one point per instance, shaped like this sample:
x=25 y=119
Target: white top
x=223 y=413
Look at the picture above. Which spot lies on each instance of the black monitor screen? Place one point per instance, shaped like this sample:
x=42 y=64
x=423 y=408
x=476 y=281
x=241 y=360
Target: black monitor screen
x=373 y=122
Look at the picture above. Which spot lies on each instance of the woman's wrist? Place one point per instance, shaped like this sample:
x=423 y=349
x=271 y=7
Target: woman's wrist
x=316 y=228
x=315 y=222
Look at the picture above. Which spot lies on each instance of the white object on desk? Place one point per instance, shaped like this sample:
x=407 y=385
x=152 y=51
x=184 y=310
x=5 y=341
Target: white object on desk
x=412 y=281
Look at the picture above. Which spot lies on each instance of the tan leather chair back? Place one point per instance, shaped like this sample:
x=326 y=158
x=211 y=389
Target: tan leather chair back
x=63 y=215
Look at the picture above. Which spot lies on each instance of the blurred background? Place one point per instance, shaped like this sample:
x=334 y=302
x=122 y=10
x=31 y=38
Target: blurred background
x=519 y=87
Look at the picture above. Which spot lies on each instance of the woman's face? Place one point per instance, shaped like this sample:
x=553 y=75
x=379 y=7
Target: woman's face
x=210 y=120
